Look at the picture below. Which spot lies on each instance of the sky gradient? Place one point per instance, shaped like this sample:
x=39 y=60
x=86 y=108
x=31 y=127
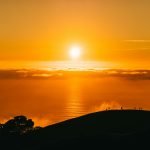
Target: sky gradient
x=110 y=30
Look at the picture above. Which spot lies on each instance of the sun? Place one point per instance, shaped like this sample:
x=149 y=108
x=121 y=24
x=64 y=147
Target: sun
x=75 y=52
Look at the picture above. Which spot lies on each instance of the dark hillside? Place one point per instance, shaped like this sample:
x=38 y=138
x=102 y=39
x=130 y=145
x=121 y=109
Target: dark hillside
x=107 y=128
x=113 y=129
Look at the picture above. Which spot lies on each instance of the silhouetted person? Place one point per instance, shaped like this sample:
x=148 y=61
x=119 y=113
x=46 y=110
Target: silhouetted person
x=140 y=108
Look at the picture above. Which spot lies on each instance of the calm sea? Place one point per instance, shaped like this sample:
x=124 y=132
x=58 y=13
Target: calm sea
x=52 y=100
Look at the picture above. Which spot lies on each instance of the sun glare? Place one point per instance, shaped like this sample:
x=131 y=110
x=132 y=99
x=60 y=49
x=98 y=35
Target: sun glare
x=75 y=52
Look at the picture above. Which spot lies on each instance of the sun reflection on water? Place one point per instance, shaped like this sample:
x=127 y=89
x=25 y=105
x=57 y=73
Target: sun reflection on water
x=74 y=105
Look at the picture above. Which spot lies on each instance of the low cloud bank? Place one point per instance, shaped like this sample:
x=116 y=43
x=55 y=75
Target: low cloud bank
x=43 y=74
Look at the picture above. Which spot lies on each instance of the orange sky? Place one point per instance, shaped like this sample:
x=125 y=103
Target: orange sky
x=110 y=30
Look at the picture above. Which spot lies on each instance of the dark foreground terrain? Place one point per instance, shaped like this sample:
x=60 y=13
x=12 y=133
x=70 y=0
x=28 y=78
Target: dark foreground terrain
x=113 y=129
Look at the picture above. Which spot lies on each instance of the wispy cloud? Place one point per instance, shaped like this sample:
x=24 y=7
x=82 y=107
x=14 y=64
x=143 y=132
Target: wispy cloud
x=138 y=41
x=108 y=105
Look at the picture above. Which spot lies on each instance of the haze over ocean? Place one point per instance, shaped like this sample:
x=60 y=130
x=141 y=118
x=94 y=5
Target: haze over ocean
x=53 y=92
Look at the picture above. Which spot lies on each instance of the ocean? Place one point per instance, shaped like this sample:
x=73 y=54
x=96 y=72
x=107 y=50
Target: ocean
x=53 y=92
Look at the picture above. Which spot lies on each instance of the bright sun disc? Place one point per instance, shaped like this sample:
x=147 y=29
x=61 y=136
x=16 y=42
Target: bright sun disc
x=75 y=52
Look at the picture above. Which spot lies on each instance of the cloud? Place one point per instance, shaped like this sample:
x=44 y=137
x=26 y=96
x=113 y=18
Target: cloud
x=41 y=121
x=138 y=41
x=107 y=105
x=42 y=74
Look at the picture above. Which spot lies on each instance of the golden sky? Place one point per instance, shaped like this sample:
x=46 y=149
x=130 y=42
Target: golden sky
x=107 y=30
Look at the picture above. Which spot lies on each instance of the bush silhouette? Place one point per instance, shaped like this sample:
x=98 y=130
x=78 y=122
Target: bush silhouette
x=18 y=125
